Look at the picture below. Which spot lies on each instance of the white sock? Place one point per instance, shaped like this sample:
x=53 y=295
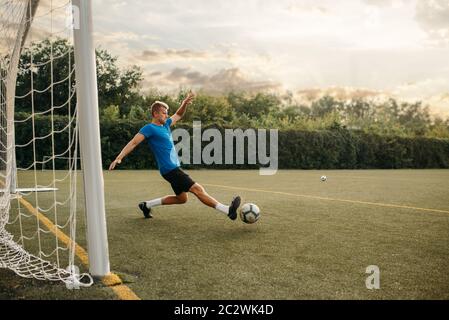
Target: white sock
x=223 y=208
x=154 y=203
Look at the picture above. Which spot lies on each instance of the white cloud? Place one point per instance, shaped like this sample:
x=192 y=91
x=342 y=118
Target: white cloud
x=432 y=92
x=171 y=55
x=308 y=95
x=386 y=3
x=422 y=89
x=433 y=17
x=220 y=82
x=377 y=45
x=308 y=7
x=439 y=105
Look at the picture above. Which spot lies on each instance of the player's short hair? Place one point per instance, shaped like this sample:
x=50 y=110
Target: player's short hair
x=157 y=105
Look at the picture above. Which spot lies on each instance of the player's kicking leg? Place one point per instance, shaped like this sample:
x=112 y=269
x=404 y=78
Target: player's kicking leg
x=205 y=198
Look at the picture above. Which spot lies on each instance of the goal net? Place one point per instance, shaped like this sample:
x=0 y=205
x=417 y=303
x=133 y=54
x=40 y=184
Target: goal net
x=39 y=128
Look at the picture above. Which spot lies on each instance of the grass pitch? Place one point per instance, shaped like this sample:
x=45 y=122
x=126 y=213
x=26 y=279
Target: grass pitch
x=314 y=239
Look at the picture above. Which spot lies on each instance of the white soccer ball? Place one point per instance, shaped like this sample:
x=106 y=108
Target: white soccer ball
x=323 y=178
x=249 y=213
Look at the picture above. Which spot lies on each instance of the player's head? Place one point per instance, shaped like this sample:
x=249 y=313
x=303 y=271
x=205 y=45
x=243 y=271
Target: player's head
x=159 y=111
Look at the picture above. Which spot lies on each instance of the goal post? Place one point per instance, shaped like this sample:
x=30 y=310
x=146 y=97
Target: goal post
x=87 y=96
x=49 y=110
x=29 y=10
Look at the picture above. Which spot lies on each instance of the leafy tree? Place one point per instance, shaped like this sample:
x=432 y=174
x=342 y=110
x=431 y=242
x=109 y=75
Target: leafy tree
x=48 y=67
x=36 y=65
x=137 y=114
x=255 y=106
x=323 y=106
x=111 y=113
x=116 y=86
x=439 y=129
x=209 y=109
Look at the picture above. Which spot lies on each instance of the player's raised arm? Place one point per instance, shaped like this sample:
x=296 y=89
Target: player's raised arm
x=138 y=138
x=183 y=108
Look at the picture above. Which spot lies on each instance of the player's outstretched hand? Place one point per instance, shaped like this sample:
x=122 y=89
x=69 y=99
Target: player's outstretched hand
x=114 y=163
x=189 y=98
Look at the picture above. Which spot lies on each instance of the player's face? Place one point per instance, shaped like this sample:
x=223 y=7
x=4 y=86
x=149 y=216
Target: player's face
x=162 y=115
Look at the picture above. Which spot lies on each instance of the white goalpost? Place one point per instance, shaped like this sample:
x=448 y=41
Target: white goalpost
x=48 y=112
x=87 y=95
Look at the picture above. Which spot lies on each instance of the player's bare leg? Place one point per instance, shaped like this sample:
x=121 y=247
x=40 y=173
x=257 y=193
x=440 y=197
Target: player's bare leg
x=167 y=200
x=179 y=199
x=205 y=198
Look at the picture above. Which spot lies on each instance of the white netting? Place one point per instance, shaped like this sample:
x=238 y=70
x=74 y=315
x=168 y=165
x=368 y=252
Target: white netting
x=38 y=128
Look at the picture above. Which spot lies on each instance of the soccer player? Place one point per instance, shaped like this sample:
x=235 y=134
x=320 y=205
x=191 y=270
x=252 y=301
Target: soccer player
x=160 y=141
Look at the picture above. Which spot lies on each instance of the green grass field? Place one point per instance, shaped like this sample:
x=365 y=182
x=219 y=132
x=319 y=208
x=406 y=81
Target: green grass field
x=308 y=244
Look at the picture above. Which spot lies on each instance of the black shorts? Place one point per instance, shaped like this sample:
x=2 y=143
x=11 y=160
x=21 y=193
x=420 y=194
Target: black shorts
x=179 y=180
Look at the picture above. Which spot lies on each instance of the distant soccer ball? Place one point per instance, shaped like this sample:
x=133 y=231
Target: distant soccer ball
x=249 y=213
x=323 y=178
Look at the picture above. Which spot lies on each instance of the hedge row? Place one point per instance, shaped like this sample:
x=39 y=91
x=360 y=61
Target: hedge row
x=327 y=149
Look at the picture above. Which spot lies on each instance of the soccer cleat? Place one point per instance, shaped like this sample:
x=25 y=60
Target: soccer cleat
x=233 y=208
x=145 y=210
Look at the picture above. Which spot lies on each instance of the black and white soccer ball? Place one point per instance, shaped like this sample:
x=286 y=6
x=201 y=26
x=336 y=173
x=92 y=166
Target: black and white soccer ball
x=249 y=213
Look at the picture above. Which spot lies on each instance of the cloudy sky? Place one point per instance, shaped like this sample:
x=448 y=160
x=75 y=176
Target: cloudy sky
x=394 y=48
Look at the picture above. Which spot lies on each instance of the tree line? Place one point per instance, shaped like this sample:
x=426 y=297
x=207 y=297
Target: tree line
x=121 y=97
x=401 y=134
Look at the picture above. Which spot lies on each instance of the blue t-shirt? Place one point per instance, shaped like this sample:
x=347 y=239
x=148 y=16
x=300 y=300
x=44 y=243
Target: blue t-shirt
x=160 y=141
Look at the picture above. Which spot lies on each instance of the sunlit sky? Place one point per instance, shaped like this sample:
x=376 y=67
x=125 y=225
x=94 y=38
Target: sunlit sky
x=379 y=47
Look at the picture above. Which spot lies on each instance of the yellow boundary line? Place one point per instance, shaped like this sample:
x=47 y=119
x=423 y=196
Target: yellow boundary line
x=380 y=204
x=111 y=280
